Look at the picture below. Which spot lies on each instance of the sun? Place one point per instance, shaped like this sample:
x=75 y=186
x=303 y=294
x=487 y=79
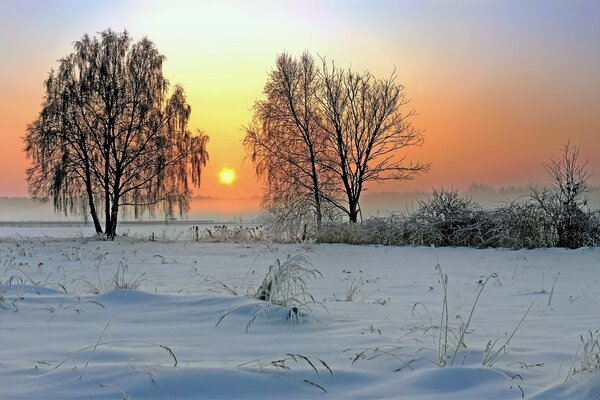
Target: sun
x=226 y=176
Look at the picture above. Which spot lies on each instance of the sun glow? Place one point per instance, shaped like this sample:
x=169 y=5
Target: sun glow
x=227 y=176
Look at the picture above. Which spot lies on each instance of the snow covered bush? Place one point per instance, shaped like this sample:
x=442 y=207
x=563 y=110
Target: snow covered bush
x=518 y=224
x=591 y=235
x=389 y=230
x=446 y=219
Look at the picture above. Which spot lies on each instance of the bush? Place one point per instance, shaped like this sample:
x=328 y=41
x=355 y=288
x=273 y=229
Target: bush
x=518 y=225
x=446 y=219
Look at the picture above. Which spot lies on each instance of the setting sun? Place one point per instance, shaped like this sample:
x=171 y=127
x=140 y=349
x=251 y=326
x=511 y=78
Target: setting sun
x=227 y=176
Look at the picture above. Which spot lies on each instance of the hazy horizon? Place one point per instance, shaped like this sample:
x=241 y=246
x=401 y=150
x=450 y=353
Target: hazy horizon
x=247 y=209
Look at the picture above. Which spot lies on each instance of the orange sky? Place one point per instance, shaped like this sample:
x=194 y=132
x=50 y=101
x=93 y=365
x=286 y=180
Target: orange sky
x=499 y=85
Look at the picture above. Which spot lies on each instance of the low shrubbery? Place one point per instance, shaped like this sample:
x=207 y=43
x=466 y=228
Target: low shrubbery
x=447 y=219
x=558 y=215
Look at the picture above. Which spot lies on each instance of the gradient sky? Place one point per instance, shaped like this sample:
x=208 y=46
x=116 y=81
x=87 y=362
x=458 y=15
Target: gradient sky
x=499 y=85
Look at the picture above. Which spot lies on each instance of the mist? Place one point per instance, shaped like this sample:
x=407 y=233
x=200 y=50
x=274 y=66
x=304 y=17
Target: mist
x=247 y=209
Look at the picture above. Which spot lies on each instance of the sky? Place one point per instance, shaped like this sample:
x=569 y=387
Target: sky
x=499 y=86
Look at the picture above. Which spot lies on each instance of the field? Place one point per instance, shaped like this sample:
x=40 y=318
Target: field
x=173 y=318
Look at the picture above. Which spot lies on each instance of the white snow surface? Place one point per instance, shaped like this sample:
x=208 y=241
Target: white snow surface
x=122 y=337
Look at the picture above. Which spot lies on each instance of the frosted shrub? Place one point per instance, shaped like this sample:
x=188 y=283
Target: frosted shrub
x=591 y=236
x=519 y=225
x=389 y=230
x=446 y=219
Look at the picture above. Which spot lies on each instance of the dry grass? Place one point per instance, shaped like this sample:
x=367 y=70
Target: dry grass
x=448 y=339
x=285 y=285
x=285 y=362
x=121 y=279
x=106 y=332
x=589 y=346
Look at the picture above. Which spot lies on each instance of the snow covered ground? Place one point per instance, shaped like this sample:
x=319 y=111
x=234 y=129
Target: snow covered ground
x=65 y=333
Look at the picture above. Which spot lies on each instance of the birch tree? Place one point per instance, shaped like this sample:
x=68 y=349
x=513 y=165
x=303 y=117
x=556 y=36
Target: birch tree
x=111 y=135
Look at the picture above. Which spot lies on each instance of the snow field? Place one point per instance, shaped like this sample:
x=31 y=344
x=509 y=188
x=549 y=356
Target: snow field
x=51 y=310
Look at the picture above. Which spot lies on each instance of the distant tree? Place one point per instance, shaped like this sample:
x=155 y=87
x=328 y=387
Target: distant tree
x=286 y=143
x=565 y=201
x=109 y=137
x=366 y=129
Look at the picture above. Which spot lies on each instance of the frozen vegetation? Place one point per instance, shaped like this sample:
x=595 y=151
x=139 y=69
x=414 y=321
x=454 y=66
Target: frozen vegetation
x=178 y=318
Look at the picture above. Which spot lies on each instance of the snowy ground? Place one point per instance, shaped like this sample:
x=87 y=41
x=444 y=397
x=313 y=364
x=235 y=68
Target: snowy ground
x=50 y=312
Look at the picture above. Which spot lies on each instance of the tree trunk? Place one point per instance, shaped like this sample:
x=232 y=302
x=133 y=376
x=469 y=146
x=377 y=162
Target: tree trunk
x=318 y=211
x=114 y=212
x=111 y=232
x=317 y=192
x=93 y=211
x=353 y=211
x=90 y=194
x=107 y=208
x=113 y=220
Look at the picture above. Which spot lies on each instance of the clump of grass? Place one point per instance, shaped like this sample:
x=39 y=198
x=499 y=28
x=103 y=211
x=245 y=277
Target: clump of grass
x=390 y=351
x=283 y=362
x=353 y=290
x=284 y=285
x=464 y=327
x=121 y=279
x=590 y=355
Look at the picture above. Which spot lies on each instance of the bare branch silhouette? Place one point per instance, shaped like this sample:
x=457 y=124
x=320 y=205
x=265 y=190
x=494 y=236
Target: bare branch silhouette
x=109 y=136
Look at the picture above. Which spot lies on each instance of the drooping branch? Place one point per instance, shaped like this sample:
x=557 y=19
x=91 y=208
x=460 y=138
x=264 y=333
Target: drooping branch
x=108 y=132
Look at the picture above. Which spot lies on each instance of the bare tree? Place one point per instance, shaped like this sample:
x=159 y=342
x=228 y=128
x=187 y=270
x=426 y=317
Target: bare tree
x=565 y=201
x=366 y=129
x=109 y=134
x=286 y=143
x=322 y=134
